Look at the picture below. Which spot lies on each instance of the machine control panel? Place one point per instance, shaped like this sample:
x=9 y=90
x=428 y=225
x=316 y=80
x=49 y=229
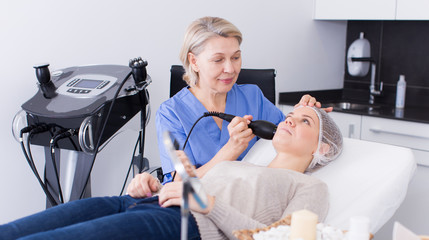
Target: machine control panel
x=86 y=86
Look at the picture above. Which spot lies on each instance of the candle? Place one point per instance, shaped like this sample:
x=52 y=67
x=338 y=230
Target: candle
x=303 y=225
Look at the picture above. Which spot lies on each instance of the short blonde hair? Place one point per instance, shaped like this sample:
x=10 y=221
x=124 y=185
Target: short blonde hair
x=197 y=35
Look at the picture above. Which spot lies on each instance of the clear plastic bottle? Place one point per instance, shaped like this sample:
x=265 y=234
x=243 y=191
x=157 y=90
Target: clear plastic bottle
x=400 y=92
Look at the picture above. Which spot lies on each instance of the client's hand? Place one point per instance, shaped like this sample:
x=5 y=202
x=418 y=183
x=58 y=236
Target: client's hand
x=143 y=185
x=308 y=100
x=171 y=195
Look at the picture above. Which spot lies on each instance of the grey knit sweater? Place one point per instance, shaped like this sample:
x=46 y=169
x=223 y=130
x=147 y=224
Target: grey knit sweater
x=249 y=196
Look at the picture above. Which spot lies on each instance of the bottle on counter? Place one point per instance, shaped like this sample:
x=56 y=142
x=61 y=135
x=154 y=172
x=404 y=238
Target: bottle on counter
x=400 y=92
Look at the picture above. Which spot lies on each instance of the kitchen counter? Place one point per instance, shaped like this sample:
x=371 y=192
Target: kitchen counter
x=333 y=97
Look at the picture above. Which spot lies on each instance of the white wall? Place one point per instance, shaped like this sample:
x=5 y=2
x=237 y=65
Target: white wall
x=307 y=54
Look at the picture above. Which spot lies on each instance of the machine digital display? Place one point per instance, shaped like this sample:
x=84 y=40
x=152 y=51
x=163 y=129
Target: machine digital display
x=88 y=83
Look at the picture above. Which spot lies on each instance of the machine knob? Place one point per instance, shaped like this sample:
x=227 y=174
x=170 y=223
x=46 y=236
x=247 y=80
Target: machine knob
x=42 y=73
x=138 y=68
x=44 y=77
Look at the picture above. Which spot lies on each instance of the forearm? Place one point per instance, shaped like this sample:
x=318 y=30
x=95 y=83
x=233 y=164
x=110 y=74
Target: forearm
x=239 y=137
x=228 y=219
x=226 y=153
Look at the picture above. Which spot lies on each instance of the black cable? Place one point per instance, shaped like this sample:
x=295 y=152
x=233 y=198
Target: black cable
x=131 y=164
x=141 y=138
x=44 y=185
x=102 y=132
x=60 y=134
x=26 y=130
x=23 y=147
x=39 y=129
x=260 y=128
x=144 y=100
x=60 y=191
x=189 y=134
x=73 y=143
x=224 y=116
x=190 y=131
x=32 y=165
x=34 y=129
x=63 y=130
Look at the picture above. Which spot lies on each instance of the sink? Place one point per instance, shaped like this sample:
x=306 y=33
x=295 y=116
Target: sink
x=351 y=106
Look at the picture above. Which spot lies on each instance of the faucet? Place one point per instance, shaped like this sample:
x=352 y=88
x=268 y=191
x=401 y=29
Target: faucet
x=372 y=91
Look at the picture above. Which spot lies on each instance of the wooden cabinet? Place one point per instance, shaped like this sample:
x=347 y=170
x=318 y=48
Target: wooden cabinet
x=371 y=10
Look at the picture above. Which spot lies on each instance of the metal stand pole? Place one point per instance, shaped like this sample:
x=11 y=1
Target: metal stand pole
x=184 y=210
x=72 y=166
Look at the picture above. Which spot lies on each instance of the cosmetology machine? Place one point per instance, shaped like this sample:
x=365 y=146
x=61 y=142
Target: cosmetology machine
x=76 y=112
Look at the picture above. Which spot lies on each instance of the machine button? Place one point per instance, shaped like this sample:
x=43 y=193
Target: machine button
x=70 y=84
x=74 y=90
x=103 y=84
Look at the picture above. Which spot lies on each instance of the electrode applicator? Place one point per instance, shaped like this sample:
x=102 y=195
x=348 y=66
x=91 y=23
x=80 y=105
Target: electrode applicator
x=44 y=77
x=138 y=68
x=260 y=128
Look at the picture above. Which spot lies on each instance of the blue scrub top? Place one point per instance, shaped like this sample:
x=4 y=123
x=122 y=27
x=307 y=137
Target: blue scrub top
x=179 y=113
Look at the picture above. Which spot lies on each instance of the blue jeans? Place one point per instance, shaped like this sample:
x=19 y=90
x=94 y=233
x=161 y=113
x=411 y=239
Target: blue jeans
x=102 y=218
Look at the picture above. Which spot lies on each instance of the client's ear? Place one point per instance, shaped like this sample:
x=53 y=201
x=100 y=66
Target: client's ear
x=324 y=148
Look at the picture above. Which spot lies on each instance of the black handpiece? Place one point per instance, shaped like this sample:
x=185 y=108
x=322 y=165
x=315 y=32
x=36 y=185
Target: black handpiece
x=260 y=128
x=44 y=77
x=263 y=129
x=138 y=68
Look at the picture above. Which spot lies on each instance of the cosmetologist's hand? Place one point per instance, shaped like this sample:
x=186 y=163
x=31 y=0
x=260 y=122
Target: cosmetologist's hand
x=308 y=100
x=239 y=134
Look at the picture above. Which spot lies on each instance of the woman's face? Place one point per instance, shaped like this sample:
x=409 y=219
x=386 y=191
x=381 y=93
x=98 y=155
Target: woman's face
x=299 y=133
x=218 y=65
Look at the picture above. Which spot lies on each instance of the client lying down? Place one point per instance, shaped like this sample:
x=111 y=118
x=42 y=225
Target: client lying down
x=241 y=195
